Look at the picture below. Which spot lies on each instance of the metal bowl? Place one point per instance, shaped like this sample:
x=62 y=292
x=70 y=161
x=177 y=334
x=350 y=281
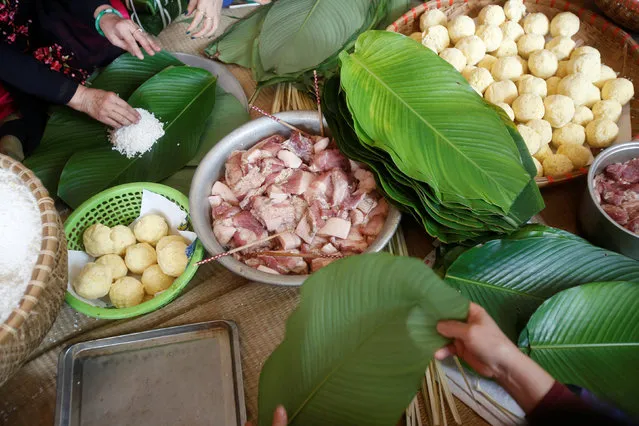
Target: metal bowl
x=598 y=227
x=211 y=168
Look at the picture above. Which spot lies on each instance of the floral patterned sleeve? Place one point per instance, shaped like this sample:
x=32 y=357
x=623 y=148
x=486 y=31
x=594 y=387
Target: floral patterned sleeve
x=26 y=73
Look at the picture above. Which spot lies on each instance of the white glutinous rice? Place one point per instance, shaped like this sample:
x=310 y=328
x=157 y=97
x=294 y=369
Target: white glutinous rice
x=20 y=240
x=136 y=139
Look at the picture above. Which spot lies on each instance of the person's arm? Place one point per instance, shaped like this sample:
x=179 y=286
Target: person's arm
x=481 y=343
x=31 y=76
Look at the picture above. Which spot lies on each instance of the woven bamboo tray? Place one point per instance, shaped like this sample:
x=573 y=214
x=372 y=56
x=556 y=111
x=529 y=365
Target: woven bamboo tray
x=618 y=49
x=27 y=325
x=623 y=12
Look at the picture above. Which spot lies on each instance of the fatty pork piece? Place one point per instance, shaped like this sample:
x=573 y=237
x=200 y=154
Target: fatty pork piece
x=281 y=265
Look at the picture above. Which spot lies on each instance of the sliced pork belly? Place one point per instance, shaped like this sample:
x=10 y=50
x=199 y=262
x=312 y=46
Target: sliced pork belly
x=321 y=145
x=329 y=159
x=299 y=145
x=289 y=159
x=319 y=263
x=275 y=216
x=366 y=181
x=252 y=180
x=233 y=169
x=267 y=270
x=224 y=210
x=304 y=189
x=265 y=149
x=335 y=227
x=223 y=233
x=289 y=241
x=224 y=191
x=298 y=182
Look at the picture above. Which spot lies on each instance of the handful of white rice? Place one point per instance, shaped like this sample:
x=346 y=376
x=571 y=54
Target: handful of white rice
x=136 y=139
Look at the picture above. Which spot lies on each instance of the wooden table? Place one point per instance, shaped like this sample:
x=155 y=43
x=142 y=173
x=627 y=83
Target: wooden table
x=259 y=310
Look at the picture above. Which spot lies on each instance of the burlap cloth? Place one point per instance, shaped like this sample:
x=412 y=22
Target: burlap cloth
x=260 y=311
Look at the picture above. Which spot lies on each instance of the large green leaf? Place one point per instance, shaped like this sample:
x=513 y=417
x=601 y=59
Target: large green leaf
x=357 y=346
x=301 y=34
x=412 y=104
x=589 y=336
x=510 y=278
x=227 y=115
x=182 y=98
x=235 y=46
x=126 y=73
x=69 y=131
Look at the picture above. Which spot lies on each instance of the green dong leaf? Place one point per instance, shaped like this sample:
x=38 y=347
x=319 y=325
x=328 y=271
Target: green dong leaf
x=235 y=46
x=357 y=346
x=408 y=102
x=182 y=98
x=589 y=336
x=69 y=131
x=512 y=277
x=301 y=34
x=227 y=115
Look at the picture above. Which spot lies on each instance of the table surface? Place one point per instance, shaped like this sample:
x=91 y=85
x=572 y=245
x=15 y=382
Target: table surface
x=260 y=311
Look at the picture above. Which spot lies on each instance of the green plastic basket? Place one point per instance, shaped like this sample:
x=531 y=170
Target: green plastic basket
x=120 y=205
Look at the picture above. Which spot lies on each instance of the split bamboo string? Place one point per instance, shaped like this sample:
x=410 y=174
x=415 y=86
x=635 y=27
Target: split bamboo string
x=319 y=103
x=283 y=123
x=238 y=249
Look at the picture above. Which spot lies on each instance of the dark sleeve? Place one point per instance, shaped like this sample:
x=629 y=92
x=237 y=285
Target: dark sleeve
x=83 y=9
x=561 y=406
x=27 y=74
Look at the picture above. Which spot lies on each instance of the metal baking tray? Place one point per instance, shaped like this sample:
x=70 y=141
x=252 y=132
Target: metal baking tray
x=186 y=375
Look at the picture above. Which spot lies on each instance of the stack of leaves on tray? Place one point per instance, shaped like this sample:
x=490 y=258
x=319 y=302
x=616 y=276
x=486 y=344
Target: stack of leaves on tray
x=286 y=40
x=456 y=163
x=574 y=306
x=76 y=161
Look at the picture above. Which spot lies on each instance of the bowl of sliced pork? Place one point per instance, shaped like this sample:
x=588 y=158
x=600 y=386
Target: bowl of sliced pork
x=289 y=200
x=609 y=213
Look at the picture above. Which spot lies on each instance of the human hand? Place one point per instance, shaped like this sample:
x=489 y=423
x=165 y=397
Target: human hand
x=106 y=107
x=479 y=342
x=205 y=12
x=125 y=34
x=279 y=417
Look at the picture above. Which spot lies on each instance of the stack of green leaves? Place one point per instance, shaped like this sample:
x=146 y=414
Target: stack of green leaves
x=438 y=150
x=286 y=40
x=75 y=158
x=573 y=307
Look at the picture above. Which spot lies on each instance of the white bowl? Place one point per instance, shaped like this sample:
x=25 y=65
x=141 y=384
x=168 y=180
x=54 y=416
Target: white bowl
x=211 y=168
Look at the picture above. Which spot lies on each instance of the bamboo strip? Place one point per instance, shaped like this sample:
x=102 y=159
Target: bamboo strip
x=235 y=250
x=304 y=255
x=447 y=393
x=432 y=395
x=441 y=402
x=283 y=123
x=497 y=405
x=429 y=409
x=463 y=373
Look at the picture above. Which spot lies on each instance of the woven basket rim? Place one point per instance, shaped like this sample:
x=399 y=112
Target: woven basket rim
x=584 y=14
x=48 y=248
